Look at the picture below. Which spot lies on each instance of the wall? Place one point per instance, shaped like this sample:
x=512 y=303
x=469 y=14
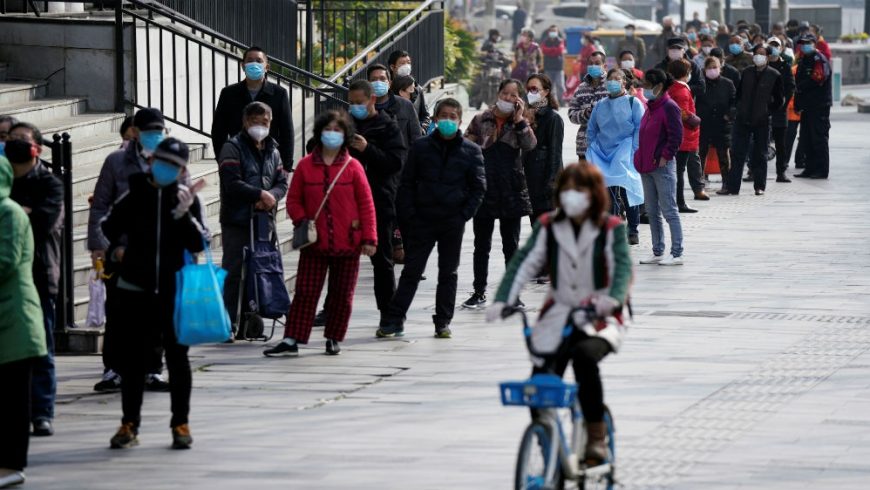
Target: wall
x=830 y=17
x=77 y=56
x=856 y=62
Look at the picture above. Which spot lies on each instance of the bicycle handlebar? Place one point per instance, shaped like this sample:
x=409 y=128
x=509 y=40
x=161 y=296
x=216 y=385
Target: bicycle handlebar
x=591 y=315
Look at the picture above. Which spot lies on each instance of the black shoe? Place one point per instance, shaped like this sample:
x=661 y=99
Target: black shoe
x=476 y=301
x=282 y=349
x=783 y=179
x=320 y=319
x=332 y=347
x=111 y=382
x=633 y=240
x=181 y=438
x=422 y=278
x=687 y=209
x=42 y=428
x=388 y=330
x=442 y=332
x=759 y=192
x=155 y=382
x=126 y=437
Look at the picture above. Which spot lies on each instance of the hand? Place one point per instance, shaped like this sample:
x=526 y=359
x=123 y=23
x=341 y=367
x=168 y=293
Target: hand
x=495 y=311
x=662 y=162
x=604 y=305
x=97 y=255
x=519 y=110
x=186 y=198
x=359 y=143
x=368 y=250
x=118 y=255
x=267 y=201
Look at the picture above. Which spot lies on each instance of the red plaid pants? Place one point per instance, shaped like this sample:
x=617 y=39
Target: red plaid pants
x=310 y=275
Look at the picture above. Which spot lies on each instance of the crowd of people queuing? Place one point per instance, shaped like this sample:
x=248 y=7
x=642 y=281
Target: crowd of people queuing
x=386 y=171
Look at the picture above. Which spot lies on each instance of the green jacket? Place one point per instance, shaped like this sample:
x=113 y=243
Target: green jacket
x=22 y=335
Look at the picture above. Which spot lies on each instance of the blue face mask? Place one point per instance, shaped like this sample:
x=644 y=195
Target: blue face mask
x=254 y=71
x=735 y=49
x=381 y=88
x=150 y=139
x=164 y=173
x=614 y=87
x=359 y=111
x=692 y=36
x=447 y=128
x=705 y=31
x=594 y=71
x=807 y=48
x=332 y=140
x=774 y=52
x=649 y=94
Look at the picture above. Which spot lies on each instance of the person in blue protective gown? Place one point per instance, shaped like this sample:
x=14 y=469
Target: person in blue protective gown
x=613 y=139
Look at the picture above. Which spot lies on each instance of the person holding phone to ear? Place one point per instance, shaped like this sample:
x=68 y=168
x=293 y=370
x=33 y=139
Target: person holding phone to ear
x=503 y=134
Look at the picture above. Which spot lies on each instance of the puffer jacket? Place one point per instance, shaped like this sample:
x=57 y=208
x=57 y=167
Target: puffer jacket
x=112 y=183
x=22 y=335
x=507 y=195
x=42 y=192
x=156 y=241
x=404 y=114
x=443 y=180
x=382 y=160
x=758 y=96
x=661 y=133
x=543 y=163
x=716 y=108
x=348 y=218
x=779 y=118
x=246 y=171
x=682 y=95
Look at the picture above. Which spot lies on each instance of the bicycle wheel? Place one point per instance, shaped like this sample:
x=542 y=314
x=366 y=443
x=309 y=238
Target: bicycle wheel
x=535 y=459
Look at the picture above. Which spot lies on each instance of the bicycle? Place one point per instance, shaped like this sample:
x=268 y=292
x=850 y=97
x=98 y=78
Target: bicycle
x=547 y=459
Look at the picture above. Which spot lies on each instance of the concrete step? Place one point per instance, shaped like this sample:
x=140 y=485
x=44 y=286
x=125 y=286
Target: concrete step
x=19 y=92
x=41 y=111
x=83 y=126
x=90 y=150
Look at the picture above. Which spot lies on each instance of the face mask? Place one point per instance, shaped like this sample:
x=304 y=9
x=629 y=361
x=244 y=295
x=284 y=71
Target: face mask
x=574 y=203
x=735 y=49
x=692 y=36
x=627 y=64
x=649 y=94
x=150 y=139
x=706 y=49
x=164 y=173
x=629 y=33
x=447 y=127
x=505 y=107
x=775 y=52
x=534 y=97
x=675 y=54
x=381 y=88
x=404 y=70
x=807 y=48
x=359 y=111
x=332 y=140
x=258 y=133
x=20 y=152
x=705 y=31
x=712 y=73
x=759 y=60
x=594 y=71
x=254 y=71
x=789 y=52
x=553 y=34
x=614 y=87
x=2 y=148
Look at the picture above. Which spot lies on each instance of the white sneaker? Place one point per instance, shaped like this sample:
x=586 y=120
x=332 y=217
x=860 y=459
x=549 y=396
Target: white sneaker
x=652 y=259
x=671 y=260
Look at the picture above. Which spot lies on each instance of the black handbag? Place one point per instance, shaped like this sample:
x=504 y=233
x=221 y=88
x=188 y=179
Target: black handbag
x=305 y=233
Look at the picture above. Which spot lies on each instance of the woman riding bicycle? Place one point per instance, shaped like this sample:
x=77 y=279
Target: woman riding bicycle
x=585 y=252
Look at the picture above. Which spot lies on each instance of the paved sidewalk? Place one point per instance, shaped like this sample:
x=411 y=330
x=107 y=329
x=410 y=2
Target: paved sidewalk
x=749 y=367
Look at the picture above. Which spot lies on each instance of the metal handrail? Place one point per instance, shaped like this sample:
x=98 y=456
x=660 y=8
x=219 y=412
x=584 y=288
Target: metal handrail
x=383 y=38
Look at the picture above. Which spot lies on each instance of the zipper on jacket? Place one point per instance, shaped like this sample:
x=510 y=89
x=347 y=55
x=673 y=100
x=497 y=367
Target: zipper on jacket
x=157 y=259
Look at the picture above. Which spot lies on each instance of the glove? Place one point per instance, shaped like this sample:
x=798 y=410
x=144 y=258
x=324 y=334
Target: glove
x=185 y=200
x=604 y=305
x=494 y=312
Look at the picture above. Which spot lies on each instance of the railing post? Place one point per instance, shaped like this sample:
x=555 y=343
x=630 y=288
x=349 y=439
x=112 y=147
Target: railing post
x=119 y=56
x=57 y=167
x=309 y=37
x=69 y=279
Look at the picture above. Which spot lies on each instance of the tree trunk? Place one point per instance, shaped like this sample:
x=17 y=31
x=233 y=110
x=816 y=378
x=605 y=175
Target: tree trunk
x=593 y=11
x=490 y=8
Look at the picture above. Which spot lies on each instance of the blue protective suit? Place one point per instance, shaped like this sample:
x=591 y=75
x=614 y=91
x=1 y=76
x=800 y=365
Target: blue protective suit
x=613 y=139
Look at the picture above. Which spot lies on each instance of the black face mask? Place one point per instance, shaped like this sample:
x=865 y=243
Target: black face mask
x=19 y=152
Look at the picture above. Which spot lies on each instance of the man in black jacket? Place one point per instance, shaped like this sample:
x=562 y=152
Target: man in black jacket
x=400 y=64
x=255 y=87
x=759 y=95
x=813 y=102
x=677 y=49
x=779 y=118
x=40 y=194
x=381 y=149
x=251 y=179
x=443 y=184
x=399 y=109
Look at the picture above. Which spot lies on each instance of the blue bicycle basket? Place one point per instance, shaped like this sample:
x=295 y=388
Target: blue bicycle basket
x=539 y=391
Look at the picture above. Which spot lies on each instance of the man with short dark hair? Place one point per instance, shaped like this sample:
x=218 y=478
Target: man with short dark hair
x=40 y=194
x=737 y=55
x=678 y=49
x=779 y=118
x=251 y=180
x=400 y=65
x=443 y=184
x=399 y=109
x=255 y=87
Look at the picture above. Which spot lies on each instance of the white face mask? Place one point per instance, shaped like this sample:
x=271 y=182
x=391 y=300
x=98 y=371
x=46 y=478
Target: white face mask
x=574 y=202
x=627 y=64
x=534 y=97
x=706 y=49
x=404 y=70
x=675 y=54
x=258 y=133
x=505 y=107
x=759 y=60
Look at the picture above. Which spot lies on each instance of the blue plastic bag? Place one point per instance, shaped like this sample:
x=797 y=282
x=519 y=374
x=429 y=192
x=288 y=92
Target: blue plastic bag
x=200 y=315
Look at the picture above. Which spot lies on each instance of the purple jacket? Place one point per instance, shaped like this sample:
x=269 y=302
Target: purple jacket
x=661 y=132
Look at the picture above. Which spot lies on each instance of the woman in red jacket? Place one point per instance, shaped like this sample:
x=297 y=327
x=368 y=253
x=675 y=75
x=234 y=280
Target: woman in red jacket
x=345 y=229
x=687 y=156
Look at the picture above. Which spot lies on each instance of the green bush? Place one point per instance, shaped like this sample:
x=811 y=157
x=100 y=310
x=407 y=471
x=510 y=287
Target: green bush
x=460 y=52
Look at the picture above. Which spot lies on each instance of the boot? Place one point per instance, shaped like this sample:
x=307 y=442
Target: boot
x=596 y=446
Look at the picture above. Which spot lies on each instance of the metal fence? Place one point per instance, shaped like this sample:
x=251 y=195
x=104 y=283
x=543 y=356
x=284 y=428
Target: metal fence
x=61 y=165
